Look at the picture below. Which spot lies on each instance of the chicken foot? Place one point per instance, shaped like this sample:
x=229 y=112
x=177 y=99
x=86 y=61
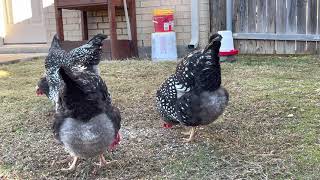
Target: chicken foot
x=73 y=165
x=103 y=162
x=191 y=134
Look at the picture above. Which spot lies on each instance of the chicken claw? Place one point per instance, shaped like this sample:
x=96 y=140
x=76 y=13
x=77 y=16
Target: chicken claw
x=72 y=166
x=191 y=134
x=103 y=162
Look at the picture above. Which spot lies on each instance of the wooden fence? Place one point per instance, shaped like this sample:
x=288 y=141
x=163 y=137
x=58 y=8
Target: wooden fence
x=271 y=26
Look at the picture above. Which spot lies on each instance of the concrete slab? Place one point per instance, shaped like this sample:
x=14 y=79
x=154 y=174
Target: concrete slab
x=14 y=58
x=24 y=48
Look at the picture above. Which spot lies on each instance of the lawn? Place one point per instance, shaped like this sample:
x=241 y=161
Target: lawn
x=270 y=130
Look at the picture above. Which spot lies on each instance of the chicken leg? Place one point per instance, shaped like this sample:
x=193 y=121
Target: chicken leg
x=103 y=161
x=73 y=165
x=190 y=133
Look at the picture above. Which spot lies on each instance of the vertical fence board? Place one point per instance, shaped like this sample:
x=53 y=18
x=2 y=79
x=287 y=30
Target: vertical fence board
x=236 y=24
x=291 y=26
x=252 y=44
x=301 y=29
x=240 y=22
x=270 y=16
x=271 y=25
x=261 y=26
x=222 y=14
x=281 y=25
x=243 y=15
x=318 y=43
x=312 y=24
x=218 y=15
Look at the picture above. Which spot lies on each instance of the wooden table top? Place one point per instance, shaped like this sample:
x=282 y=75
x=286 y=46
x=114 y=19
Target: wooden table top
x=87 y=4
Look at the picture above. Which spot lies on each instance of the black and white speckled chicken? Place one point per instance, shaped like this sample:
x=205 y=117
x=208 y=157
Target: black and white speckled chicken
x=86 y=123
x=87 y=55
x=193 y=96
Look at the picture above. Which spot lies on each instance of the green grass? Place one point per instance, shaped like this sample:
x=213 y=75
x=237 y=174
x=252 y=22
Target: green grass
x=269 y=130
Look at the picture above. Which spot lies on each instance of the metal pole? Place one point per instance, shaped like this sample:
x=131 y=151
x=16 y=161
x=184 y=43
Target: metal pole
x=195 y=31
x=127 y=19
x=229 y=14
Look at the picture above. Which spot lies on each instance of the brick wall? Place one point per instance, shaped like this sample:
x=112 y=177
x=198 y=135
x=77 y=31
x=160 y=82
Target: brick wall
x=98 y=22
x=71 y=24
x=182 y=17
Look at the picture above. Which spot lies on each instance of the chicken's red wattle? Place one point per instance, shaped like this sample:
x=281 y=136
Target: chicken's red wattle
x=115 y=142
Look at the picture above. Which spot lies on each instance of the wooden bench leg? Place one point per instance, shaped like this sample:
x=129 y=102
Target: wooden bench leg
x=84 y=25
x=59 y=23
x=133 y=24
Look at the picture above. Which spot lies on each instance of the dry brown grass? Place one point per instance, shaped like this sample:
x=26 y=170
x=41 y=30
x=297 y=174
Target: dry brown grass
x=269 y=130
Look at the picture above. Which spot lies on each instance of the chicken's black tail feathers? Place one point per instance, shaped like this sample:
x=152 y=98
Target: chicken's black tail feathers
x=55 y=43
x=214 y=43
x=63 y=71
x=79 y=94
x=68 y=77
x=209 y=75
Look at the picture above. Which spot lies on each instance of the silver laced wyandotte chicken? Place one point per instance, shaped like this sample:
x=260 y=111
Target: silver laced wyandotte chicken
x=193 y=96
x=87 y=123
x=87 y=55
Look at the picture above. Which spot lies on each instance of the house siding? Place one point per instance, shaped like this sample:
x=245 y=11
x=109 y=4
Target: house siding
x=98 y=23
